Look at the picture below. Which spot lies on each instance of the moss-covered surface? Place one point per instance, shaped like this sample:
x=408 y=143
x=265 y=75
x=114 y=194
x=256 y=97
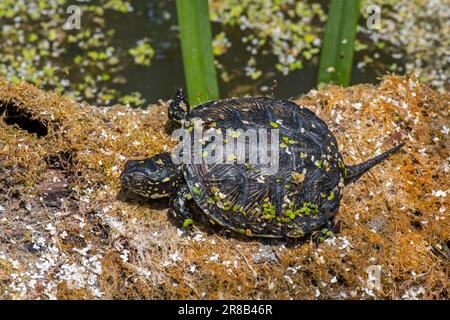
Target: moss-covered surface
x=67 y=232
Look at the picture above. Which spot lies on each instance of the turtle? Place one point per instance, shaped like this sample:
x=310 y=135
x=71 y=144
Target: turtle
x=299 y=198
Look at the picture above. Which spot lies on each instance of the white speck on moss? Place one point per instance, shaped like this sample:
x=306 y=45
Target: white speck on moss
x=414 y=293
x=124 y=255
x=439 y=193
x=175 y=257
x=214 y=257
x=317 y=293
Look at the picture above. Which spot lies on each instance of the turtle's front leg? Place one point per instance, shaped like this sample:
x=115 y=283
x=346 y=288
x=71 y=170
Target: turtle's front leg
x=178 y=108
x=178 y=205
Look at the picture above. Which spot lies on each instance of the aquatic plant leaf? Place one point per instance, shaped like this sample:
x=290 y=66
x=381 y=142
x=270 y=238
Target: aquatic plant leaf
x=337 y=49
x=196 y=45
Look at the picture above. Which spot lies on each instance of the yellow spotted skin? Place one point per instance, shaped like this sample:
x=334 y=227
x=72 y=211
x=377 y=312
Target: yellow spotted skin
x=154 y=177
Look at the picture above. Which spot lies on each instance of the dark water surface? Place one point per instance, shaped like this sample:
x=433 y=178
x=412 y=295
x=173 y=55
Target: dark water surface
x=157 y=21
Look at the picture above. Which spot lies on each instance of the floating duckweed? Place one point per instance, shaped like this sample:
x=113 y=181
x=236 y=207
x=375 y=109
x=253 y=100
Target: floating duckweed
x=319 y=163
x=187 y=222
x=215 y=190
x=196 y=190
x=234 y=133
x=269 y=211
x=274 y=124
x=293 y=214
x=236 y=208
x=308 y=208
x=325 y=233
x=290 y=214
x=288 y=141
x=227 y=205
x=142 y=53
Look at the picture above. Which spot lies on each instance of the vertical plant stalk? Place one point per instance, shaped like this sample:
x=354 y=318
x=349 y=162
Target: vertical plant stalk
x=336 y=58
x=196 y=45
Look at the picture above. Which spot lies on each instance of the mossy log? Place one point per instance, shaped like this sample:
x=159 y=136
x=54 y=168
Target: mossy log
x=67 y=231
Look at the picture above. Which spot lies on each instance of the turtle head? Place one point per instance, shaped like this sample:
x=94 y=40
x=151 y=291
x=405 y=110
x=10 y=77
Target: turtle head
x=155 y=177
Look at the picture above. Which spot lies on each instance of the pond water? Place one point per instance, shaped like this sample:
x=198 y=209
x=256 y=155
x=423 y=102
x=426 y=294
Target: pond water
x=157 y=20
x=76 y=62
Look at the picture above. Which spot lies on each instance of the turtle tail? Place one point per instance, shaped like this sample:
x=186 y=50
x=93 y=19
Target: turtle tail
x=354 y=172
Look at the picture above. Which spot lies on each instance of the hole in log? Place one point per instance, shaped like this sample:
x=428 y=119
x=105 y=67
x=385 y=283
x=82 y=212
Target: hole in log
x=23 y=119
x=61 y=160
x=56 y=179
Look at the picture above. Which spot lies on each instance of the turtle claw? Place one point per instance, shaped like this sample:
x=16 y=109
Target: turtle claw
x=335 y=225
